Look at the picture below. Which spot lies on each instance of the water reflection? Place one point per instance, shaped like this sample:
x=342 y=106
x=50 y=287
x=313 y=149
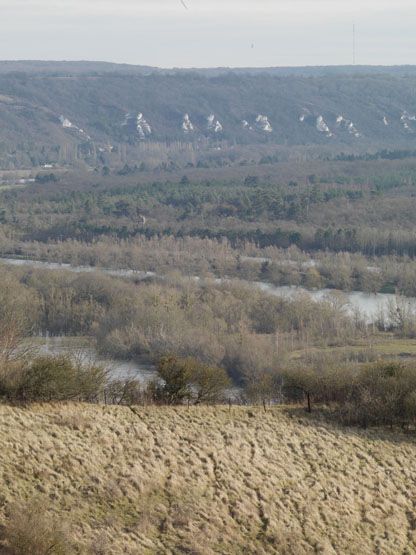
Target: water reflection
x=82 y=350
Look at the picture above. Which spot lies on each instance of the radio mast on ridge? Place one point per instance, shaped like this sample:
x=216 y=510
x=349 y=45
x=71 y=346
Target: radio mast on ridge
x=354 y=49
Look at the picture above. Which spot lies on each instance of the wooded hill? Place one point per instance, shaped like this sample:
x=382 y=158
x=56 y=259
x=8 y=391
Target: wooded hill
x=61 y=112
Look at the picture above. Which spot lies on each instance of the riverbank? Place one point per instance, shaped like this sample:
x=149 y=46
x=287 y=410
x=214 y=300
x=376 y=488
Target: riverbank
x=372 y=307
x=83 y=349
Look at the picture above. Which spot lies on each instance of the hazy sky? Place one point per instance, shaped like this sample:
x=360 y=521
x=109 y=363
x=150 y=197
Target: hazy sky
x=210 y=32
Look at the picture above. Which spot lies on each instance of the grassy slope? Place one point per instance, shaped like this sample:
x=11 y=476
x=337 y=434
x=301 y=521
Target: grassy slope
x=383 y=345
x=208 y=481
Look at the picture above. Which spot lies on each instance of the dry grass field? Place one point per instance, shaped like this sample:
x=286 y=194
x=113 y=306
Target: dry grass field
x=203 y=481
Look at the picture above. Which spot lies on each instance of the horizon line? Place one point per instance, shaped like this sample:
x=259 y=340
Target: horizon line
x=213 y=67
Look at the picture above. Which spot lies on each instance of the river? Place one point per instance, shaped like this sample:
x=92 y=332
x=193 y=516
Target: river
x=39 y=264
x=370 y=305
x=82 y=349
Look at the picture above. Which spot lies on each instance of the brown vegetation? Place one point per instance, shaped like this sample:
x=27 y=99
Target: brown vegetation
x=204 y=481
x=230 y=325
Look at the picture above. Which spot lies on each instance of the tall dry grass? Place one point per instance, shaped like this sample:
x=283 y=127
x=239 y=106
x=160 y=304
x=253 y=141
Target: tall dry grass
x=207 y=480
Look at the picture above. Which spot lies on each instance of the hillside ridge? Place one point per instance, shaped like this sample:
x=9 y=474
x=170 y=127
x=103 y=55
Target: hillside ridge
x=49 y=115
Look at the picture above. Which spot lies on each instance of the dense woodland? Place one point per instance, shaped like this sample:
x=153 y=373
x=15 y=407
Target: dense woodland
x=370 y=211
x=351 y=226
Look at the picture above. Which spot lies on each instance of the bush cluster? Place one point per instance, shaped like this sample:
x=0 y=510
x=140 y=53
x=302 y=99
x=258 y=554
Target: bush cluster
x=380 y=393
x=60 y=378
x=52 y=378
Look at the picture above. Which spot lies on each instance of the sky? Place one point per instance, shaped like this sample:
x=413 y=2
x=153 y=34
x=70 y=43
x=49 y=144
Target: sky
x=210 y=33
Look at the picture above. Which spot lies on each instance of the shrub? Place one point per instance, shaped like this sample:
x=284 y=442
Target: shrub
x=263 y=387
x=56 y=378
x=378 y=393
x=188 y=379
x=410 y=407
x=125 y=392
x=29 y=530
x=384 y=392
x=208 y=382
x=176 y=376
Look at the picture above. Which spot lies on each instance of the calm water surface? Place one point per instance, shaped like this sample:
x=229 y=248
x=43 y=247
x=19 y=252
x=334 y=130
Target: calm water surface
x=369 y=305
x=81 y=349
